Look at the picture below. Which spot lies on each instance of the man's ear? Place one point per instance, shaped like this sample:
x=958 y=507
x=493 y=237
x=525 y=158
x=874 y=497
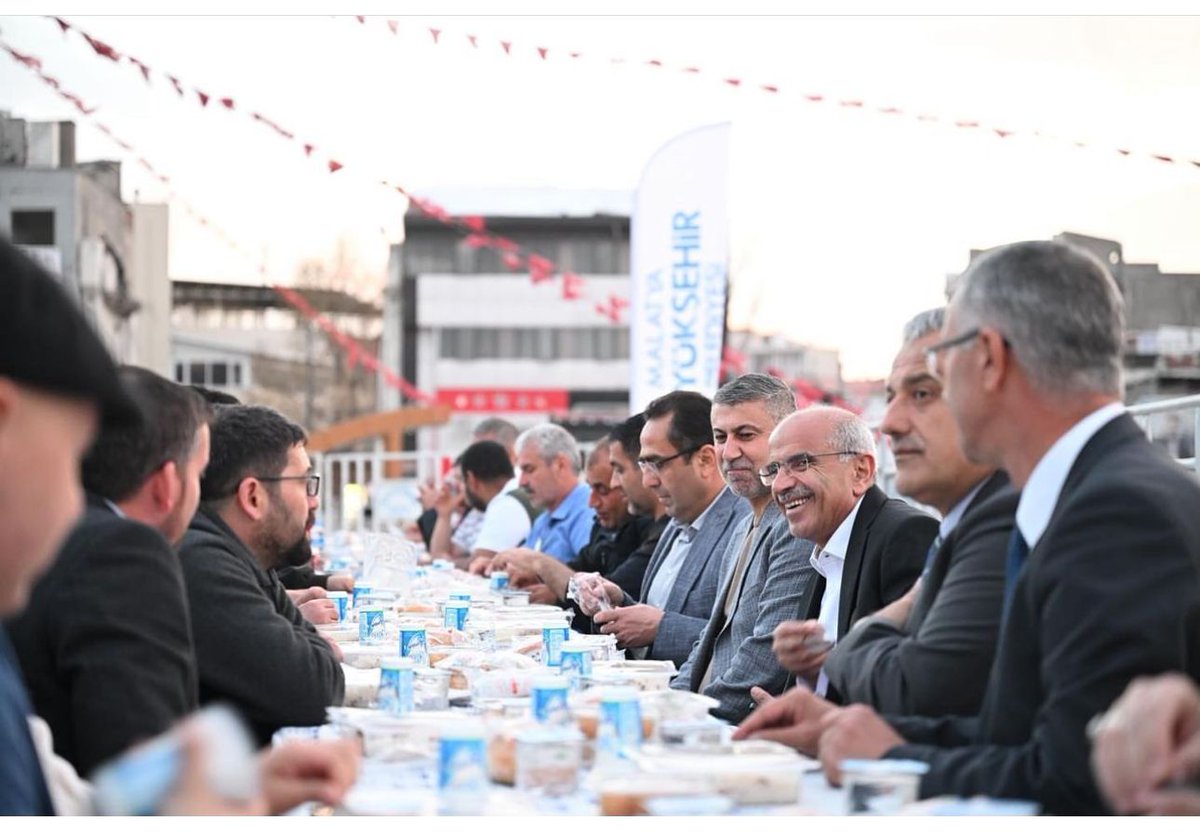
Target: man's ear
x=863 y=473
x=996 y=360
x=165 y=487
x=706 y=455
x=251 y=498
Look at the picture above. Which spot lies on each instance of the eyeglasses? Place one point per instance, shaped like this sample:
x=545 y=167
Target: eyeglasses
x=656 y=465
x=794 y=465
x=931 y=352
x=312 y=483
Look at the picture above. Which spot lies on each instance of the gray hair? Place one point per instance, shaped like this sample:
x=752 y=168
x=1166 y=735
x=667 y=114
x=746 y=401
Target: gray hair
x=776 y=396
x=924 y=323
x=849 y=434
x=504 y=432
x=1058 y=307
x=550 y=441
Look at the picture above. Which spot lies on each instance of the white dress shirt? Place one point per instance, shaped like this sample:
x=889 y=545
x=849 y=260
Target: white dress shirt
x=664 y=579
x=1045 y=483
x=829 y=562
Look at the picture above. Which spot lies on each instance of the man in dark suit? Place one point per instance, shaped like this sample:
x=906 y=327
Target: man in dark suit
x=929 y=652
x=253 y=647
x=679 y=464
x=765 y=570
x=105 y=642
x=869 y=548
x=1104 y=566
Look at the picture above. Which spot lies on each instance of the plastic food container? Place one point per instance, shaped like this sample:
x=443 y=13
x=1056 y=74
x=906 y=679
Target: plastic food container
x=880 y=786
x=748 y=772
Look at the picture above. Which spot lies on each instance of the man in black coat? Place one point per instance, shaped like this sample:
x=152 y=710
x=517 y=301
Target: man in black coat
x=869 y=548
x=1103 y=579
x=929 y=653
x=253 y=647
x=105 y=643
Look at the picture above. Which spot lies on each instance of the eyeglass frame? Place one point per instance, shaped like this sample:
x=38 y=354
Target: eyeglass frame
x=310 y=478
x=931 y=352
x=771 y=471
x=655 y=466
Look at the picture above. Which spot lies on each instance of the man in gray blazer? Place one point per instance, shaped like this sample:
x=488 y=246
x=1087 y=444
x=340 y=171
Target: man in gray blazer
x=764 y=571
x=679 y=464
x=929 y=652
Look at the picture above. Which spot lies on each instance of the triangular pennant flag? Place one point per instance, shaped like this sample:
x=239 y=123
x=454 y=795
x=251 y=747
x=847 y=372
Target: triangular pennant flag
x=542 y=51
x=572 y=286
x=334 y=166
x=228 y=102
x=308 y=149
x=474 y=41
x=511 y=260
x=435 y=34
x=203 y=98
x=507 y=46
x=101 y=48
x=477 y=241
x=145 y=70
x=394 y=26
x=175 y=83
x=475 y=223
x=62 y=24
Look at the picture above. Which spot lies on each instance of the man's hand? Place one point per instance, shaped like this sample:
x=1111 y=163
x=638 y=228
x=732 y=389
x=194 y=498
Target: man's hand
x=517 y=558
x=338 y=654
x=760 y=696
x=304 y=595
x=308 y=771
x=481 y=566
x=634 y=625
x=427 y=494
x=192 y=795
x=853 y=732
x=340 y=582
x=1149 y=739
x=794 y=719
x=320 y=611
x=446 y=500
x=611 y=590
x=540 y=594
x=801 y=647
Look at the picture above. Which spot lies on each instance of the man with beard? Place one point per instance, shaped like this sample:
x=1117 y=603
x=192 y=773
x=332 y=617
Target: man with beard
x=253 y=647
x=764 y=572
x=105 y=642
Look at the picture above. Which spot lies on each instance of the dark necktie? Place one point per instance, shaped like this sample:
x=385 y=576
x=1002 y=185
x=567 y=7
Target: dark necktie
x=933 y=550
x=1018 y=550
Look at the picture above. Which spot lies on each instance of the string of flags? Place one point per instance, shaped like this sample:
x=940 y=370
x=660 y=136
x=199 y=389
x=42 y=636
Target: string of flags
x=511 y=49
x=355 y=354
x=513 y=256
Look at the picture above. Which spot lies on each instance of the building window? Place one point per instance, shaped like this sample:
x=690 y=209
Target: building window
x=33 y=228
x=196 y=373
x=220 y=374
x=179 y=373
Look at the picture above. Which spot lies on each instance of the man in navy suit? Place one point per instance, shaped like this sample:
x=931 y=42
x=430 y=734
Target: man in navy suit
x=1103 y=570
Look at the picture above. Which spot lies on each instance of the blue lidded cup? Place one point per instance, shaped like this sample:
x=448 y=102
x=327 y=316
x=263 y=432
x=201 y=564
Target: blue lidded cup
x=455 y=613
x=371 y=628
x=414 y=644
x=553 y=638
x=396 y=678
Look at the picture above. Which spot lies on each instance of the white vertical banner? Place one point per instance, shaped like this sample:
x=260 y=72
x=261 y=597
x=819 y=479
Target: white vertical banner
x=679 y=260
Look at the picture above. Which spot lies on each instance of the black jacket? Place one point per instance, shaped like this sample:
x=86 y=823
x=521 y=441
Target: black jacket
x=938 y=663
x=105 y=643
x=253 y=647
x=1111 y=591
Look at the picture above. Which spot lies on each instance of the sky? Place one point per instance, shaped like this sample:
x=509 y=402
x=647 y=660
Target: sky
x=844 y=221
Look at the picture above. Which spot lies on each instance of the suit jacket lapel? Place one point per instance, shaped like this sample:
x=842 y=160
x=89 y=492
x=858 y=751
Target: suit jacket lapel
x=872 y=502
x=770 y=514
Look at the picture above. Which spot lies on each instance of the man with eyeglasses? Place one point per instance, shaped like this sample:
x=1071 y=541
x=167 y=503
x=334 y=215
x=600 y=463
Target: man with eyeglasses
x=869 y=548
x=1103 y=567
x=254 y=648
x=764 y=571
x=679 y=464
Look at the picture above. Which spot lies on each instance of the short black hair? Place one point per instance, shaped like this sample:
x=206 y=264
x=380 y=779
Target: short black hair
x=487 y=460
x=123 y=456
x=629 y=435
x=247 y=440
x=215 y=397
x=691 y=419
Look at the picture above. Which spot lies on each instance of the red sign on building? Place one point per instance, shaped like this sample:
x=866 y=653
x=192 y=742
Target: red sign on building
x=492 y=400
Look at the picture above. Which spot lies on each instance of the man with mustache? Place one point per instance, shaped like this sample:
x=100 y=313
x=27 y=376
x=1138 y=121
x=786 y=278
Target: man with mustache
x=765 y=571
x=869 y=548
x=1103 y=567
x=929 y=652
x=253 y=647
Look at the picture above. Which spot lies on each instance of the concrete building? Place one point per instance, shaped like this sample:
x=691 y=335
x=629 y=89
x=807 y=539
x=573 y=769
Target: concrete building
x=245 y=340
x=488 y=341
x=110 y=257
